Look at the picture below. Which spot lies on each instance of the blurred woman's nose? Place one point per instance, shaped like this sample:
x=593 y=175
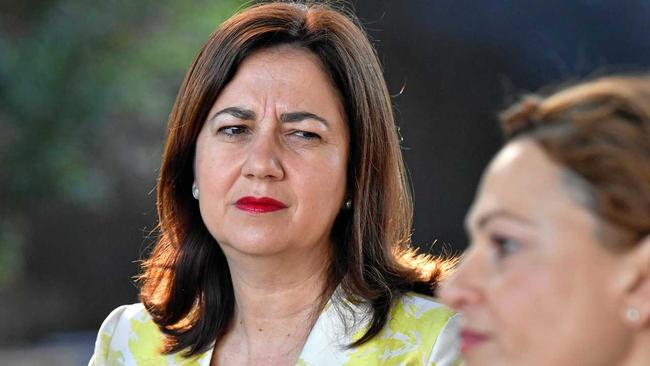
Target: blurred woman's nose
x=263 y=156
x=463 y=288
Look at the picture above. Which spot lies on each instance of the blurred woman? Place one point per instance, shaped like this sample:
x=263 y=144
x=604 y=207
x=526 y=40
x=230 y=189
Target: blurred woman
x=558 y=270
x=284 y=211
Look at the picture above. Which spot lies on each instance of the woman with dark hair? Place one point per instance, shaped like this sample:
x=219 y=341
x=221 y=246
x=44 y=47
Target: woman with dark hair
x=558 y=270
x=284 y=213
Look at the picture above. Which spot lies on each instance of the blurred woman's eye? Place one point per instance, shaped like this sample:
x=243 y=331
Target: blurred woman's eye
x=232 y=131
x=305 y=135
x=505 y=246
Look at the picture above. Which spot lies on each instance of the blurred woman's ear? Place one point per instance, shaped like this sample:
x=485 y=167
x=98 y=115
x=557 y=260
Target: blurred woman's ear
x=636 y=311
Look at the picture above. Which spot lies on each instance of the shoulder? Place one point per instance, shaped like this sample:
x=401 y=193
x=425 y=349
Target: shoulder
x=130 y=321
x=419 y=331
x=123 y=318
x=436 y=324
x=419 y=312
x=122 y=335
x=129 y=336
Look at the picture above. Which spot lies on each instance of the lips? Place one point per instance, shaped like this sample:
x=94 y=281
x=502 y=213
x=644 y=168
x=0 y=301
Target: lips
x=259 y=204
x=470 y=339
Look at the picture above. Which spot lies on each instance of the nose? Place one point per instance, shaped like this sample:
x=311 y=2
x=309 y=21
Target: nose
x=263 y=157
x=463 y=288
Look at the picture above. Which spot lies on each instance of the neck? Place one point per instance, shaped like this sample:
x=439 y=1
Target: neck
x=639 y=353
x=277 y=299
x=280 y=285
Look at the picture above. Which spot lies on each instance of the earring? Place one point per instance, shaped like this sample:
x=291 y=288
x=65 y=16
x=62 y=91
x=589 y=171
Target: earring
x=195 y=191
x=633 y=314
x=348 y=204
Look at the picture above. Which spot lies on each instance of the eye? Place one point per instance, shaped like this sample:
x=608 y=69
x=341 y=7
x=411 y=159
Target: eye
x=306 y=135
x=505 y=246
x=231 y=131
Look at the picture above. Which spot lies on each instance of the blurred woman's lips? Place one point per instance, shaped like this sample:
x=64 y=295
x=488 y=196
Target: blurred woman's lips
x=259 y=204
x=470 y=339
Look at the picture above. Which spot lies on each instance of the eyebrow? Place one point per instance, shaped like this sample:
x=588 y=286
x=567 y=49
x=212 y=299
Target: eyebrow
x=484 y=219
x=302 y=115
x=237 y=112
x=249 y=115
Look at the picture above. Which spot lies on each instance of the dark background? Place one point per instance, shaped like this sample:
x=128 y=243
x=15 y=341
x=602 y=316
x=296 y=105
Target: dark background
x=86 y=87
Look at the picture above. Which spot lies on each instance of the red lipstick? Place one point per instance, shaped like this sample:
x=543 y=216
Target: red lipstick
x=470 y=339
x=259 y=204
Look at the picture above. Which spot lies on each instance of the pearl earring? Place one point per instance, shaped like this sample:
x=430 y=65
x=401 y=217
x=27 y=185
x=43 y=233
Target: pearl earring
x=195 y=191
x=348 y=204
x=633 y=314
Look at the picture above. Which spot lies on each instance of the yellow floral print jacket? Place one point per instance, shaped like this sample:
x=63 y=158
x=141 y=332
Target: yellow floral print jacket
x=419 y=332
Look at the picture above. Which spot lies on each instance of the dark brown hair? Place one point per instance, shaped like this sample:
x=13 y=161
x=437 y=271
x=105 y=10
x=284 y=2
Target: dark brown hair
x=600 y=131
x=186 y=284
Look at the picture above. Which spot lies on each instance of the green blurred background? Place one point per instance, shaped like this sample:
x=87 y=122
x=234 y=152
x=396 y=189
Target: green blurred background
x=85 y=91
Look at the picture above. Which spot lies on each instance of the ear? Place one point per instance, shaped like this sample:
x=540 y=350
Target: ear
x=636 y=311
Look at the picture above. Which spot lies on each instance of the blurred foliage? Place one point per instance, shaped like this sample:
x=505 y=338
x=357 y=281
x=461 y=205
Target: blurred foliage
x=85 y=90
x=11 y=262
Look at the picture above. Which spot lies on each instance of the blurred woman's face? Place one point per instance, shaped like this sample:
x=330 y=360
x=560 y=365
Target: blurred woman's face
x=271 y=158
x=536 y=286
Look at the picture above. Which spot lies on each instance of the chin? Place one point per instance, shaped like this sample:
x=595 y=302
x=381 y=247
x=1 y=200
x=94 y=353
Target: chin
x=480 y=356
x=256 y=245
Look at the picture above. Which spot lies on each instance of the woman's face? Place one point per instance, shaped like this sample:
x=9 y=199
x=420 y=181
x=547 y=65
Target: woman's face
x=536 y=286
x=271 y=158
